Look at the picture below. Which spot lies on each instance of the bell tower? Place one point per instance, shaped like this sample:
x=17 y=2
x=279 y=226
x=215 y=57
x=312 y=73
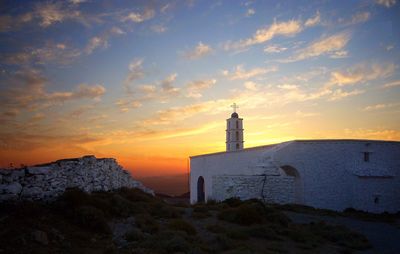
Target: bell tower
x=234 y=131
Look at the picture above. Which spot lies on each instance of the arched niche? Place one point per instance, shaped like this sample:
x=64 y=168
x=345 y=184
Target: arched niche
x=297 y=184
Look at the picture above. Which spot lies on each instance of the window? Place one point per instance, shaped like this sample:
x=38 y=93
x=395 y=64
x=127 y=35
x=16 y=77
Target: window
x=229 y=125
x=237 y=135
x=237 y=146
x=366 y=156
x=237 y=124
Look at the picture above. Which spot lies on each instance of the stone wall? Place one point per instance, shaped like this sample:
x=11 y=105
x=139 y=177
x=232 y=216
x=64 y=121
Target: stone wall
x=272 y=189
x=47 y=181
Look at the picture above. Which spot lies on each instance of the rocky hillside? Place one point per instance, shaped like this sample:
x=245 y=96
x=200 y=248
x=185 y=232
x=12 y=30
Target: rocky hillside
x=48 y=181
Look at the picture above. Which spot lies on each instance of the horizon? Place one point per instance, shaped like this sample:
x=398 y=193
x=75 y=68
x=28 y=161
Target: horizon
x=151 y=83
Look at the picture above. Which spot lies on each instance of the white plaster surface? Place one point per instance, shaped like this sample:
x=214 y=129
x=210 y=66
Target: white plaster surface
x=330 y=174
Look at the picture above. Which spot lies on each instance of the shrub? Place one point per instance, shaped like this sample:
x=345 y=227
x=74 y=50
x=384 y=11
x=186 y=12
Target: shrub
x=134 y=235
x=200 y=212
x=263 y=232
x=182 y=225
x=167 y=242
x=147 y=223
x=160 y=209
x=134 y=195
x=91 y=218
x=237 y=234
x=75 y=198
x=216 y=228
x=246 y=214
x=233 y=202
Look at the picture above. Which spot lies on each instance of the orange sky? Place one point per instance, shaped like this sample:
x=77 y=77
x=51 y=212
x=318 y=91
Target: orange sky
x=150 y=83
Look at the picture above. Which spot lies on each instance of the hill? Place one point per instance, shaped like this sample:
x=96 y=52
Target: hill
x=131 y=221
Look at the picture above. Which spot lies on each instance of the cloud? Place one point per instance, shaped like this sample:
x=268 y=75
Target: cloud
x=55 y=12
x=56 y=53
x=139 y=17
x=339 y=54
x=250 y=12
x=159 y=28
x=240 y=73
x=313 y=21
x=195 y=88
x=101 y=41
x=392 y=84
x=288 y=28
x=339 y=94
x=360 y=17
x=250 y=85
x=287 y=87
x=386 y=3
x=167 y=84
x=126 y=104
x=135 y=72
x=274 y=49
x=380 y=106
x=362 y=73
x=27 y=91
x=199 y=51
x=325 y=45
x=373 y=133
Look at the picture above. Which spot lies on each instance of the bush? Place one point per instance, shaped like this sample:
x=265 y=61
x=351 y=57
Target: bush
x=91 y=218
x=134 y=235
x=233 y=202
x=200 y=212
x=167 y=242
x=245 y=214
x=135 y=195
x=216 y=228
x=237 y=234
x=147 y=223
x=182 y=225
x=263 y=232
x=75 y=198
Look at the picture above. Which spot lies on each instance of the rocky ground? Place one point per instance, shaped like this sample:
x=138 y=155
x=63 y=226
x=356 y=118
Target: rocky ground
x=131 y=221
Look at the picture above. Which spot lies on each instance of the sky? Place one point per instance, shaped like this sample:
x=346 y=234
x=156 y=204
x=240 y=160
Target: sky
x=150 y=83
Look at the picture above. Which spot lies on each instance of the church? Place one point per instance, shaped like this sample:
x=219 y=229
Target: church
x=331 y=174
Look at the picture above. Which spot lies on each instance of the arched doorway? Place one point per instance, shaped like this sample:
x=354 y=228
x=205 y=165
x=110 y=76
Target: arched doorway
x=200 y=190
x=297 y=183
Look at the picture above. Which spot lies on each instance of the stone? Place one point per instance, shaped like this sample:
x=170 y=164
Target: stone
x=38 y=170
x=12 y=188
x=48 y=181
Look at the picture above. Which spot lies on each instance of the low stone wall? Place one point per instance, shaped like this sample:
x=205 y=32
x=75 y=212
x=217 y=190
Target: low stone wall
x=47 y=181
x=272 y=189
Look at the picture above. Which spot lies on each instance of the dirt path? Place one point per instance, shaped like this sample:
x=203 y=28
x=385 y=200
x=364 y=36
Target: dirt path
x=384 y=237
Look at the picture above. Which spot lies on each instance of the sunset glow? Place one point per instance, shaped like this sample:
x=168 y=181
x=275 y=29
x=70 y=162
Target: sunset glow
x=150 y=83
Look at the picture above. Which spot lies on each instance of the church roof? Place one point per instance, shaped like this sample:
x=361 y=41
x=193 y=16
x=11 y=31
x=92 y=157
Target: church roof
x=234 y=115
x=302 y=141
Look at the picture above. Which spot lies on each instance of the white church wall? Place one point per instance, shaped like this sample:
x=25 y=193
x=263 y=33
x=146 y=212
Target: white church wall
x=375 y=195
x=332 y=174
x=225 y=163
x=328 y=168
x=239 y=186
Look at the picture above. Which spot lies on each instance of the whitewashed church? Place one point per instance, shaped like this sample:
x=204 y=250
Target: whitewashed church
x=330 y=174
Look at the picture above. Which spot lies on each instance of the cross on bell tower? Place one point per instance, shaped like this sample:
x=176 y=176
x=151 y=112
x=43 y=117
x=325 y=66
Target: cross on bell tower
x=234 y=106
x=234 y=131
